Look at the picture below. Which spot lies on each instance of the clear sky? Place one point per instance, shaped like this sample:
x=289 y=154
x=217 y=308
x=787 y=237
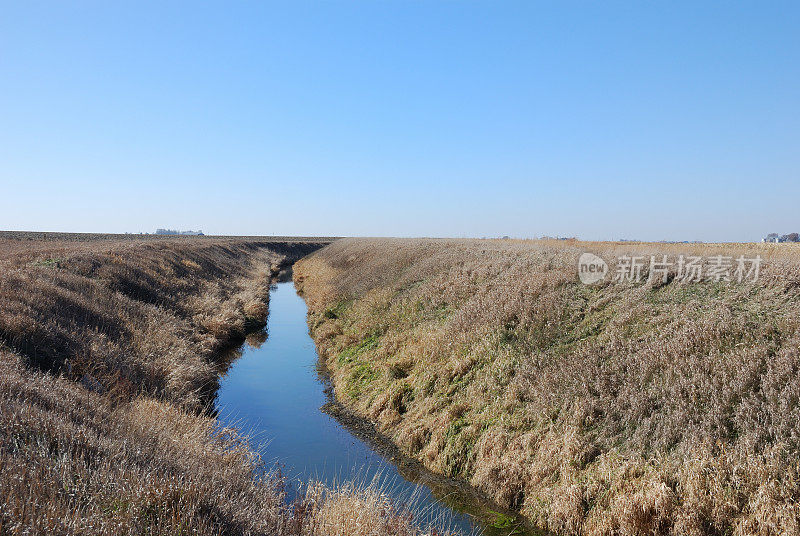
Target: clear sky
x=605 y=120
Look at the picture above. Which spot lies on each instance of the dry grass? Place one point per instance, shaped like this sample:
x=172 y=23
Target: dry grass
x=140 y=317
x=74 y=464
x=613 y=409
x=108 y=350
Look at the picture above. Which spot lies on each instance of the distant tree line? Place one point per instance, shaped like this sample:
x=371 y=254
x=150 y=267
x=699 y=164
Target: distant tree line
x=174 y=232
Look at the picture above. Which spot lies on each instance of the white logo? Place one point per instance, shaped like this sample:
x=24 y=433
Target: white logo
x=591 y=268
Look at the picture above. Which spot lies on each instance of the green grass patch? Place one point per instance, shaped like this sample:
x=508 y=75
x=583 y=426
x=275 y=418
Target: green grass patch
x=458 y=452
x=338 y=310
x=50 y=263
x=349 y=355
x=359 y=379
x=503 y=521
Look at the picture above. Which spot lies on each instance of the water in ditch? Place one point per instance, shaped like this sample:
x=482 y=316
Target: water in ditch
x=275 y=392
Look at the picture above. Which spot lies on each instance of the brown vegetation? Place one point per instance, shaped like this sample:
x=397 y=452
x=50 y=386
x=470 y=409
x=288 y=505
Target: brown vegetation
x=140 y=317
x=107 y=351
x=617 y=408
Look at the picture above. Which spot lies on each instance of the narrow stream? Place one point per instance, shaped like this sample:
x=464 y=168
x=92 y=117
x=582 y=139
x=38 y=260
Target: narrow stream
x=275 y=392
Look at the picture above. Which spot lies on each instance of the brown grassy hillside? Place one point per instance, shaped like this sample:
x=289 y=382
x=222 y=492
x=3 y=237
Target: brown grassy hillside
x=618 y=408
x=136 y=317
x=108 y=349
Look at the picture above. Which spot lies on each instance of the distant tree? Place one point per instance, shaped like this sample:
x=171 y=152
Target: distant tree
x=791 y=237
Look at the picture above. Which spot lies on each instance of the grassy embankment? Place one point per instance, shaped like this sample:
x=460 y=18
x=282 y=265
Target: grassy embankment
x=620 y=408
x=109 y=347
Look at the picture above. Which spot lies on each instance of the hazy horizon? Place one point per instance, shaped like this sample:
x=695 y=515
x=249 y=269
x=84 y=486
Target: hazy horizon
x=616 y=121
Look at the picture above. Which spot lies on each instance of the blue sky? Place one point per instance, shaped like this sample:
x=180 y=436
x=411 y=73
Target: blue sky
x=605 y=120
